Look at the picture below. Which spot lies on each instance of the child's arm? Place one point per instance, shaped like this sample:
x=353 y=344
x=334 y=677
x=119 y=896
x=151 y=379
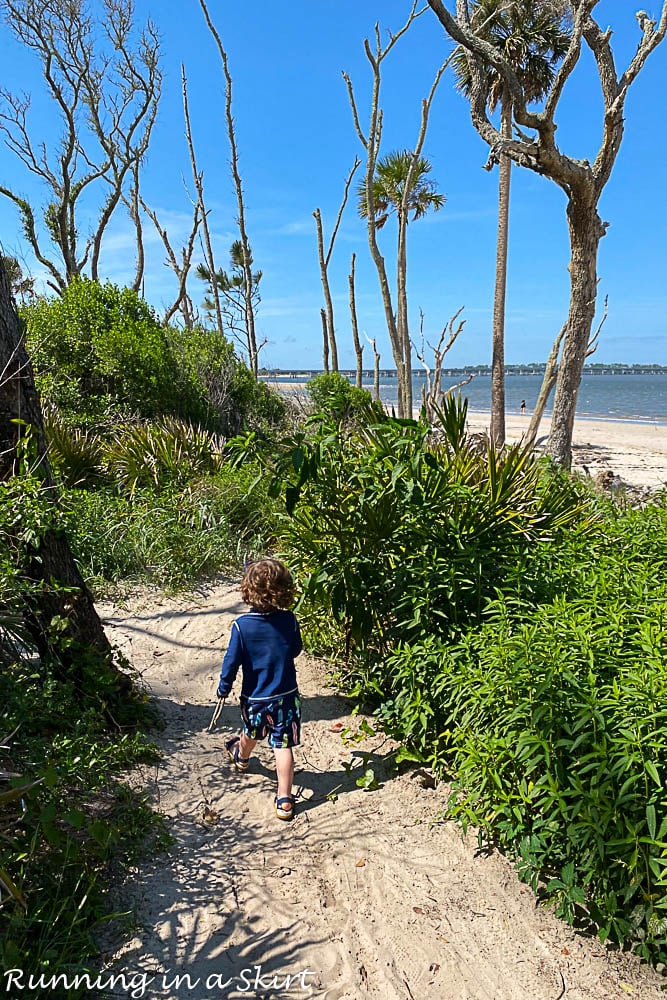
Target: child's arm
x=231 y=662
x=297 y=644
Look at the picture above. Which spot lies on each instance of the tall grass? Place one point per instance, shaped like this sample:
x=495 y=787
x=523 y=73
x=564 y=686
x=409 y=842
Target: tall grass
x=171 y=536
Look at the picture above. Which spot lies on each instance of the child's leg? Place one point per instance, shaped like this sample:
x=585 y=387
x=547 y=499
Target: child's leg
x=284 y=770
x=246 y=746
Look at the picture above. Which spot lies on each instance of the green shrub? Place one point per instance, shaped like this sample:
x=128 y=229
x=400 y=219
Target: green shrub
x=550 y=719
x=333 y=394
x=99 y=350
x=100 y=354
x=160 y=453
x=230 y=398
x=553 y=725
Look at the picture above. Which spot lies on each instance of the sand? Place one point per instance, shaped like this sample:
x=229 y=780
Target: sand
x=367 y=894
x=635 y=452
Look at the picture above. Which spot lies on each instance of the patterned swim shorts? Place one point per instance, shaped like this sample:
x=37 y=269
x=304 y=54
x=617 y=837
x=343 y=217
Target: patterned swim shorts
x=279 y=719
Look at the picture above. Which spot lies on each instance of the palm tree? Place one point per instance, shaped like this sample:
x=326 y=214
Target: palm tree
x=401 y=185
x=533 y=36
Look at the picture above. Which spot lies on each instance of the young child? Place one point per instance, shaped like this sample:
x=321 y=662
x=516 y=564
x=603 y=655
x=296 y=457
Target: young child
x=264 y=643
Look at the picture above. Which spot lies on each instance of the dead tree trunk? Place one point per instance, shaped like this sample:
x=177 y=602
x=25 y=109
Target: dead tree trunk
x=586 y=231
x=248 y=276
x=376 y=369
x=358 y=349
x=325 y=341
x=63 y=594
x=328 y=312
x=548 y=382
x=325 y=259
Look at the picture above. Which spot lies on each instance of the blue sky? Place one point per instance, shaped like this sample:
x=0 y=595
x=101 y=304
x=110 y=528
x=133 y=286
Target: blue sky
x=297 y=142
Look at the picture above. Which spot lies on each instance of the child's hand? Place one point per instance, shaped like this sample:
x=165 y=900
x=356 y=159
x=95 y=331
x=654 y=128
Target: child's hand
x=221 y=693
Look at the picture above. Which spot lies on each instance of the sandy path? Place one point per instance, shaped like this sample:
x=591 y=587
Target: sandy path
x=365 y=894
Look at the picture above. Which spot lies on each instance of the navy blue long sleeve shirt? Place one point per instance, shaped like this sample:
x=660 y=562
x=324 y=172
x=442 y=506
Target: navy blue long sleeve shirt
x=264 y=644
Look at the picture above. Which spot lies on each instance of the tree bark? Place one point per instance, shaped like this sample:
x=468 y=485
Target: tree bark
x=52 y=563
x=333 y=347
x=358 y=349
x=325 y=341
x=586 y=230
x=404 y=367
x=498 y=336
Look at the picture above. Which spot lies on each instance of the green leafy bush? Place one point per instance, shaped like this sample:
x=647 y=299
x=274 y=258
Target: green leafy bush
x=230 y=398
x=550 y=718
x=100 y=354
x=333 y=394
x=99 y=350
x=552 y=722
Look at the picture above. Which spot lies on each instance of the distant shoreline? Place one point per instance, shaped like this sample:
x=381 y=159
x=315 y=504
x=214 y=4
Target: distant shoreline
x=293 y=387
x=636 y=450
x=510 y=371
x=592 y=417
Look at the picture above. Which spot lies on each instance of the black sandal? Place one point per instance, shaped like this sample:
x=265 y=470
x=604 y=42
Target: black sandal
x=232 y=747
x=284 y=807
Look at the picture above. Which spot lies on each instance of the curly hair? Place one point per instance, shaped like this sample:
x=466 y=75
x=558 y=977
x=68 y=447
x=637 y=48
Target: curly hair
x=267 y=584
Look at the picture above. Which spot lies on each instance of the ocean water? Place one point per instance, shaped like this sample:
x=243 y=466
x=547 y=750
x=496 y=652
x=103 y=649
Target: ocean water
x=611 y=397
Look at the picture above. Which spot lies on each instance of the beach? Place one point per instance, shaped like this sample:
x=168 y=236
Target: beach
x=633 y=451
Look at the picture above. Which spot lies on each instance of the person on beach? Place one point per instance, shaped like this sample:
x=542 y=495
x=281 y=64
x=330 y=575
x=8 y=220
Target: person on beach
x=523 y=406
x=264 y=643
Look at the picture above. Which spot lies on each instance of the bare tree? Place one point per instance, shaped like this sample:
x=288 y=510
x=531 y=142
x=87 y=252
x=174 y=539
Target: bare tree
x=181 y=267
x=324 y=260
x=358 y=348
x=248 y=277
x=198 y=179
x=63 y=594
x=376 y=368
x=583 y=182
x=107 y=102
x=397 y=322
x=432 y=392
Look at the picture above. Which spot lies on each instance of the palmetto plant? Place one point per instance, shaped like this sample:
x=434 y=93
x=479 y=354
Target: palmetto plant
x=395 y=533
x=533 y=37
x=155 y=454
x=75 y=454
